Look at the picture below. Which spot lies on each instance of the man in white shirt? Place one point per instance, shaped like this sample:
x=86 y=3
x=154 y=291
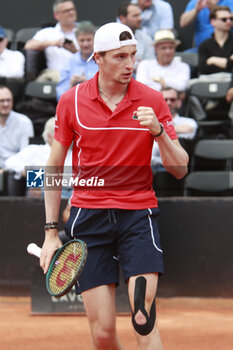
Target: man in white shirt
x=35 y=156
x=15 y=128
x=59 y=42
x=185 y=127
x=12 y=63
x=165 y=70
x=156 y=15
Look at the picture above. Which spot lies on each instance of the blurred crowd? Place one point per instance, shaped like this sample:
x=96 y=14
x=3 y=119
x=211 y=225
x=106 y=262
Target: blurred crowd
x=37 y=67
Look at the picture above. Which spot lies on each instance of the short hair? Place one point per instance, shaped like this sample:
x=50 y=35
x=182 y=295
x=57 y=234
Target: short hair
x=217 y=8
x=6 y=87
x=48 y=128
x=167 y=88
x=58 y=2
x=123 y=8
x=85 y=27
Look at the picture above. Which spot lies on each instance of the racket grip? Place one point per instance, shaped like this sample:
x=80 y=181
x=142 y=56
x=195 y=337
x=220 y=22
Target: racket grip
x=33 y=249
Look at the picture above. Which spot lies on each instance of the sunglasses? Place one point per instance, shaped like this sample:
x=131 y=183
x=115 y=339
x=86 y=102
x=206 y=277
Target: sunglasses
x=224 y=19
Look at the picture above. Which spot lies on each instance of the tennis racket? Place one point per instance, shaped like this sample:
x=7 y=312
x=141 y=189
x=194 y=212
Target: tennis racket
x=66 y=266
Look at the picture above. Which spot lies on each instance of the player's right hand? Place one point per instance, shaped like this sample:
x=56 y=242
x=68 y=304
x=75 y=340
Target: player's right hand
x=51 y=243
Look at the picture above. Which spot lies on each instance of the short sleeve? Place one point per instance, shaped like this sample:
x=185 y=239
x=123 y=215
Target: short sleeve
x=41 y=35
x=64 y=123
x=190 y=6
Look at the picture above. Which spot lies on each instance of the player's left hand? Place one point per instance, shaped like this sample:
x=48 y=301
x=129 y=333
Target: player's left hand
x=147 y=117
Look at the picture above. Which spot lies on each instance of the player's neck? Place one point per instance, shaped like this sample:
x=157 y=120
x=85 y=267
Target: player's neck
x=111 y=93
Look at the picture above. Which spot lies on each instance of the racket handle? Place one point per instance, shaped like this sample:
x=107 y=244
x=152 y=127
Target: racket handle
x=33 y=249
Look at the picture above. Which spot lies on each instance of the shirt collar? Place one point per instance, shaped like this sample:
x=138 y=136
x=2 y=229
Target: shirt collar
x=8 y=121
x=4 y=53
x=134 y=91
x=58 y=27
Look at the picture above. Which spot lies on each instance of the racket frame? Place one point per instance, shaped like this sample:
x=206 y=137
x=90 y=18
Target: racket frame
x=77 y=274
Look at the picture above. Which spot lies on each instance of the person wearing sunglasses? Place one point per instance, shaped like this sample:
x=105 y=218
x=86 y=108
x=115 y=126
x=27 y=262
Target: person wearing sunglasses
x=198 y=13
x=216 y=54
x=12 y=62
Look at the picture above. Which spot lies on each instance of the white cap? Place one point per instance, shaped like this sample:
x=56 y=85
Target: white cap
x=107 y=37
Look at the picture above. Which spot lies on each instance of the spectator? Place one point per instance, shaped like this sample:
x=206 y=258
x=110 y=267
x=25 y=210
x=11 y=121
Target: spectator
x=34 y=156
x=130 y=15
x=156 y=15
x=215 y=56
x=185 y=127
x=198 y=11
x=59 y=42
x=15 y=128
x=216 y=53
x=78 y=68
x=12 y=63
x=164 y=70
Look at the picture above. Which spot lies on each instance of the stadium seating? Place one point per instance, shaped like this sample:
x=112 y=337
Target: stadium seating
x=22 y=36
x=212 y=155
x=209 y=183
x=10 y=37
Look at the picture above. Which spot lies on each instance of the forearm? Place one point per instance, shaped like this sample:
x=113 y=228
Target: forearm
x=53 y=181
x=188 y=17
x=37 y=45
x=220 y=62
x=174 y=157
x=52 y=204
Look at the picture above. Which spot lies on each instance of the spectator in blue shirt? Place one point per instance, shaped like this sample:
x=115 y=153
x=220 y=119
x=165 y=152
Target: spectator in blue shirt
x=156 y=15
x=198 y=12
x=77 y=68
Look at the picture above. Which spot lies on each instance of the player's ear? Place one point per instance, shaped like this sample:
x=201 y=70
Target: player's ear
x=97 y=57
x=56 y=16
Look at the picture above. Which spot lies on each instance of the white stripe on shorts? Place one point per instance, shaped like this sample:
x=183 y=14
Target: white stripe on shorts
x=152 y=231
x=76 y=217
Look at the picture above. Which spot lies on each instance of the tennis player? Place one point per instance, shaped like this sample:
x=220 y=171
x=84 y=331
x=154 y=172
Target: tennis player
x=113 y=121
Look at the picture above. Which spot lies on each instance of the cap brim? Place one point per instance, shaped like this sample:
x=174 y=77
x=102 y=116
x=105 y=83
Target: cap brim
x=91 y=57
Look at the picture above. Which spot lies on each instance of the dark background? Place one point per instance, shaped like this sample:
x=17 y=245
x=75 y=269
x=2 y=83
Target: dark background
x=27 y=13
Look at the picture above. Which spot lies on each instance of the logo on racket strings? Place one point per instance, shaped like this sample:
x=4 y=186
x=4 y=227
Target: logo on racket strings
x=67 y=270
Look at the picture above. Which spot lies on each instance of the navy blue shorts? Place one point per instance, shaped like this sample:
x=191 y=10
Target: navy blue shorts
x=113 y=236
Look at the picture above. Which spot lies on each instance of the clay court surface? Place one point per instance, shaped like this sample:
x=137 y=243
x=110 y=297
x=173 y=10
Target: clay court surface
x=184 y=323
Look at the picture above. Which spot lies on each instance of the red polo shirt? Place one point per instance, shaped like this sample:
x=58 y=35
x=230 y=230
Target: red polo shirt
x=111 y=150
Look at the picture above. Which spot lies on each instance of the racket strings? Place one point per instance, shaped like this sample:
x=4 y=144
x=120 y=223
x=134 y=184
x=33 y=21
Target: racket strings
x=66 y=268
